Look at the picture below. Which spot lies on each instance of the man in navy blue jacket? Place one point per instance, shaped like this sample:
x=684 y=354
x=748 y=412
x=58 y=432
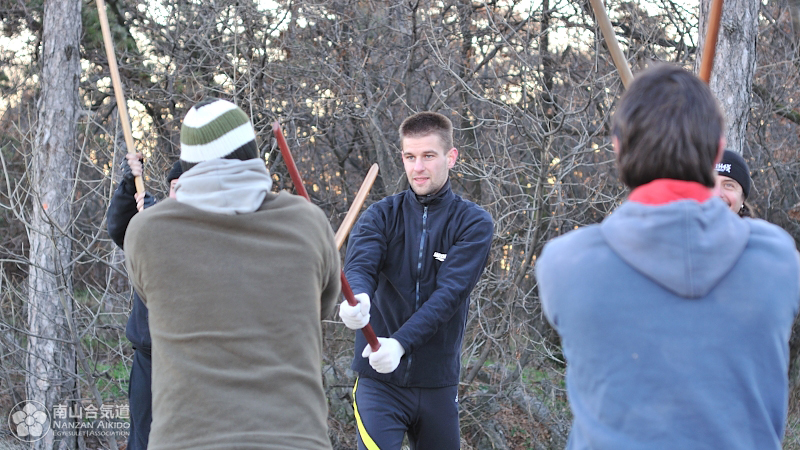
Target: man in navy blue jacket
x=125 y=203
x=413 y=258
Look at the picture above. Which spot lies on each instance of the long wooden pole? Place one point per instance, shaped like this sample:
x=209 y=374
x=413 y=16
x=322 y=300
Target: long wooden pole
x=115 y=81
x=710 y=47
x=611 y=41
x=372 y=340
x=358 y=202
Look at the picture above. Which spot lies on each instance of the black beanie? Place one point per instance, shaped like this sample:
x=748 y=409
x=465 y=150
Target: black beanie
x=175 y=172
x=734 y=166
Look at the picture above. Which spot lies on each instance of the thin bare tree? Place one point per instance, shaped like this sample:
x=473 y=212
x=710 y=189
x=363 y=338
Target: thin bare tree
x=51 y=354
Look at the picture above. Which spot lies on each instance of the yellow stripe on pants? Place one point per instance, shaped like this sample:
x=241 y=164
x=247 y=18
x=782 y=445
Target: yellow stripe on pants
x=368 y=442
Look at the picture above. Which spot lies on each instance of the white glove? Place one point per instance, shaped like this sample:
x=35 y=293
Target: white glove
x=355 y=317
x=386 y=359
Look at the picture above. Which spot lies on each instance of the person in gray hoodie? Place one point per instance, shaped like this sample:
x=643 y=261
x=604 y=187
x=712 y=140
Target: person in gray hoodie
x=670 y=342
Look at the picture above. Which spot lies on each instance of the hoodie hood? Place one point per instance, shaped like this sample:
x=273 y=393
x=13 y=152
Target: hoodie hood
x=685 y=246
x=225 y=186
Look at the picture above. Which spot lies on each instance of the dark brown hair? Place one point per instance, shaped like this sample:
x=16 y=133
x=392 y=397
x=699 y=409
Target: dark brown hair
x=669 y=126
x=747 y=210
x=426 y=123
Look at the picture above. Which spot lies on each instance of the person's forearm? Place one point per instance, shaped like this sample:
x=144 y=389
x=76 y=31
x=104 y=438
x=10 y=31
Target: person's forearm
x=121 y=210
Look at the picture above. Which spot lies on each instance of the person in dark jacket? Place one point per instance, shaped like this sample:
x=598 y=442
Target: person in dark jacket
x=125 y=203
x=669 y=342
x=413 y=258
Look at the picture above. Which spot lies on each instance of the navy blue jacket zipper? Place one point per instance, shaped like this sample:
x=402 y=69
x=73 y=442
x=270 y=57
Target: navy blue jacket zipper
x=419 y=273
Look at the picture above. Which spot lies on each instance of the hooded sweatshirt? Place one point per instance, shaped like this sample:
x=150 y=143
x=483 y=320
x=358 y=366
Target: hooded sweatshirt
x=674 y=316
x=225 y=186
x=236 y=287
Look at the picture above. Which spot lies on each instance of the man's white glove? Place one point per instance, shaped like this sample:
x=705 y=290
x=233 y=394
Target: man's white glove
x=386 y=359
x=355 y=317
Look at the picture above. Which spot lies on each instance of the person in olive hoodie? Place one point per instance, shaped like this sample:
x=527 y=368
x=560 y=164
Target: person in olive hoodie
x=125 y=203
x=669 y=342
x=237 y=280
x=418 y=254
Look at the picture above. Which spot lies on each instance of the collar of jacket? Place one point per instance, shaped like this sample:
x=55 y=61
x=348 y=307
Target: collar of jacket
x=662 y=191
x=434 y=199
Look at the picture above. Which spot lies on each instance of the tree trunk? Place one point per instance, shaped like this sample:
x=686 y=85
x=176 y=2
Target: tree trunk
x=734 y=65
x=794 y=11
x=51 y=356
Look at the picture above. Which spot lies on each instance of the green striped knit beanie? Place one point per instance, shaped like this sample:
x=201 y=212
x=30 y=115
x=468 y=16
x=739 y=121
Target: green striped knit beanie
x=216 y=128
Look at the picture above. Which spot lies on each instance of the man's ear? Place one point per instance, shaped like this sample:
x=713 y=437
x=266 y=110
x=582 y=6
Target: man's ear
x=452 y=156
x=720 y=150
x=615 y=144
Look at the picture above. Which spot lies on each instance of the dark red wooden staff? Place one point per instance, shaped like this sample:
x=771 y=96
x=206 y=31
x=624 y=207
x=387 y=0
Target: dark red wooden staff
x=372 y=340
x=710 y=47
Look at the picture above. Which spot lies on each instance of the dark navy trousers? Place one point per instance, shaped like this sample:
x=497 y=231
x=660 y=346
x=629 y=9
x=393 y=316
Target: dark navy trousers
x=385 y=412
x=140 y=400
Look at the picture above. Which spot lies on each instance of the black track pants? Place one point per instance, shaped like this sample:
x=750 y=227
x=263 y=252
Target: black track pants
x=140 y=399
x=385 y=412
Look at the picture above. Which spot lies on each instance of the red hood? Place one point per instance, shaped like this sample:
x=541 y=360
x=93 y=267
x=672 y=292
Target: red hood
x=661 y=191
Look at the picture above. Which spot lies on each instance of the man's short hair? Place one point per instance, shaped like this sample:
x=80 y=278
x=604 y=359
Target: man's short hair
x=425 y=123
x=669 y=126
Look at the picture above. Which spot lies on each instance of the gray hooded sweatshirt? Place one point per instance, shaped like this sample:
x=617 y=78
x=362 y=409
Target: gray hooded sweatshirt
x=674 y=321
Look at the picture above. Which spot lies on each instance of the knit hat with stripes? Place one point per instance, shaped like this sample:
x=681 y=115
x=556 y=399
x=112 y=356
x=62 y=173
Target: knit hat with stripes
x=216 y=128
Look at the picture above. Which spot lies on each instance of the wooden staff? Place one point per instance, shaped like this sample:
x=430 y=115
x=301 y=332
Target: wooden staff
x=115 y=81
x=372 y=340
x=611 y=41
x=710 y=47
x=358 y=202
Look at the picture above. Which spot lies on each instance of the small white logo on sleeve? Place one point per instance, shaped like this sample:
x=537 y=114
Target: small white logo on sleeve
x=439 y=256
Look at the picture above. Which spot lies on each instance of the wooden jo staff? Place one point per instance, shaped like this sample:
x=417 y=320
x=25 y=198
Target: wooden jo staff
x=358 y=202
x=115 y=81
x=710 y=47
x=372 y=340
x=611 y=41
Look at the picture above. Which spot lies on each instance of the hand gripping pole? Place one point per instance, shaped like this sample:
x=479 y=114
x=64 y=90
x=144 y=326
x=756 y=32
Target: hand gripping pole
x=122 y=107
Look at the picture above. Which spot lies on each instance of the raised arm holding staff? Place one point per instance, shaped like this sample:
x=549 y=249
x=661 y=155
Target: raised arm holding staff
x=122 y=107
